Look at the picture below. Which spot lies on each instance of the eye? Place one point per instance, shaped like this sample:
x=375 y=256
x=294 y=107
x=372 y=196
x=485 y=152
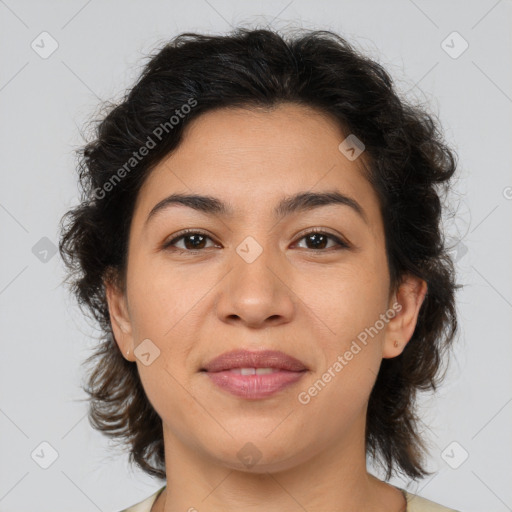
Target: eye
x=319 y=238
x=194 y=241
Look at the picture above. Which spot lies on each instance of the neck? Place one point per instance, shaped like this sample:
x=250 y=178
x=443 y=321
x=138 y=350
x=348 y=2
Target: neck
x=333 y=479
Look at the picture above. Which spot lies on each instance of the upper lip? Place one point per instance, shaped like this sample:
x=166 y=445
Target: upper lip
x=252 y=359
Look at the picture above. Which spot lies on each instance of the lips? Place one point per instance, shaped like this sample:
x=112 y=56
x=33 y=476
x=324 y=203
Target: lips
x=261 y=359
x=254 y=375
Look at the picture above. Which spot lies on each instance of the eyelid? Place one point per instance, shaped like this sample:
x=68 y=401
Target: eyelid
x=183 y=233
x=341 y=242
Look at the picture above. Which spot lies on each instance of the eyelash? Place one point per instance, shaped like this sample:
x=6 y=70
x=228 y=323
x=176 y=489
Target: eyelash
x=168 y=245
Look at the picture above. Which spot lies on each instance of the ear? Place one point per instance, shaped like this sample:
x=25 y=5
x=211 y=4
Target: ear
x=119 y=316
x=406 y=303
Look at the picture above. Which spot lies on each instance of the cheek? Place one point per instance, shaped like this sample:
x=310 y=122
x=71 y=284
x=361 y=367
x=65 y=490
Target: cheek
x=161 y=295
x=347 y=299
x=348 y=306
x=171 y=396
x=338 y=404
x=351 y=349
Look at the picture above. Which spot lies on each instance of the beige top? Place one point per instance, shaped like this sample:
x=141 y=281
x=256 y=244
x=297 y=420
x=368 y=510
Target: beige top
x=415 y=503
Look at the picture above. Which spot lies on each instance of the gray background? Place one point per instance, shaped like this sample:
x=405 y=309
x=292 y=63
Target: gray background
x=44 y=103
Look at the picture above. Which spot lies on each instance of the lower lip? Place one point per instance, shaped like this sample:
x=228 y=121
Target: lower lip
x=254 y=386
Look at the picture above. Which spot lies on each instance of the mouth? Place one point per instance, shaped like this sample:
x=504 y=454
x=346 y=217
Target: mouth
x=246 y=359
x=254 y=375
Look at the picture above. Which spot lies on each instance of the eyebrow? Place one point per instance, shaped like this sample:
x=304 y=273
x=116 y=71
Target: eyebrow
x=300 y=202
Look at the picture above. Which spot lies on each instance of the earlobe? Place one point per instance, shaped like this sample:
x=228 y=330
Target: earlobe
x=406 y=302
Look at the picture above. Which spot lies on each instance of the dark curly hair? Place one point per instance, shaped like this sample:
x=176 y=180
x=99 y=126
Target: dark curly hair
x=406 y=160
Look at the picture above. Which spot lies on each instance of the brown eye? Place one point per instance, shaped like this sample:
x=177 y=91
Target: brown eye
x=195 y=241
x=317 y=240
x=192 y=241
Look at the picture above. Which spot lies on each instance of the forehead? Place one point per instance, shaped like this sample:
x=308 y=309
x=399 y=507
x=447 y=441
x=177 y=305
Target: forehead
x=262 y=133
x=251 y=159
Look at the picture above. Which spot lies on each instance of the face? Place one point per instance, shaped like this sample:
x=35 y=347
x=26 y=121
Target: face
x=249 y=278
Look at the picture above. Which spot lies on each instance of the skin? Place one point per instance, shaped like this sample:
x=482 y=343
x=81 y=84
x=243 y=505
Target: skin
x=310 y=303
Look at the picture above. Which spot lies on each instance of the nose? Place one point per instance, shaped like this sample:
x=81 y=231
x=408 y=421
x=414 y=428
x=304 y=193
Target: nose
x=256 y=294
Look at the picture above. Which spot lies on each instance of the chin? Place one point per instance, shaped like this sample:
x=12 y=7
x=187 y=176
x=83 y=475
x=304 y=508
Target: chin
x=260 y=453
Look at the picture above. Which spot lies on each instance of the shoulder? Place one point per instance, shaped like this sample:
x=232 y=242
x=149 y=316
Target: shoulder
x=145 y=505
x=416 y=503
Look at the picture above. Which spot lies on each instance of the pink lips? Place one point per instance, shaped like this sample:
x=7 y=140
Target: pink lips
x=224 y=371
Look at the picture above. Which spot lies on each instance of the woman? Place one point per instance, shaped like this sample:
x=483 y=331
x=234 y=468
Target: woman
x=259 y=239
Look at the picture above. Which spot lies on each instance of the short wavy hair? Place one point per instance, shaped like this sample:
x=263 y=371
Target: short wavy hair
x=407 y=161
